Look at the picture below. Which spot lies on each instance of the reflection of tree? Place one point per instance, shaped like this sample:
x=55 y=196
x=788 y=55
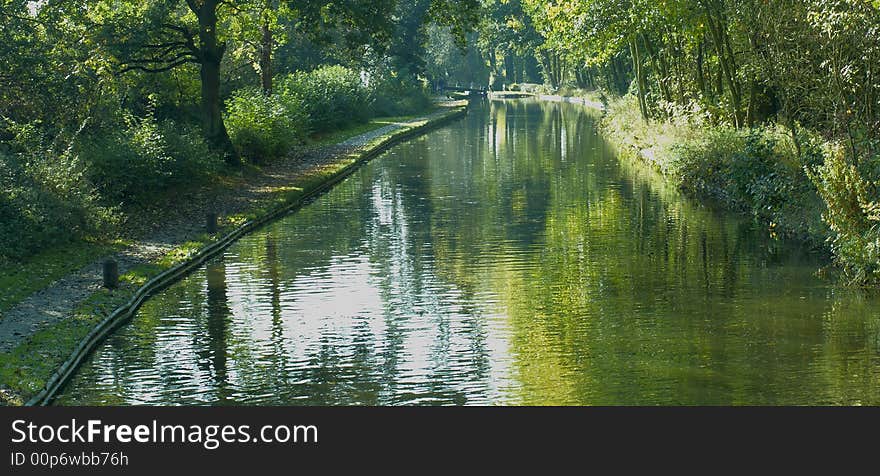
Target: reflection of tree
x=635 y=294
x=400 y=248
x=279 y=356
x=218 y=317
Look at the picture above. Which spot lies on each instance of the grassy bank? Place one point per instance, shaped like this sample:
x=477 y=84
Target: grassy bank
x=21 y=278
x=757 y=171
x=25 y=370
x=803 y=186
x=85 y=184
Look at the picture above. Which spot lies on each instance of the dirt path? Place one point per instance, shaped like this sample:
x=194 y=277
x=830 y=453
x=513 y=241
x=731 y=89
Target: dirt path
x=165 y=227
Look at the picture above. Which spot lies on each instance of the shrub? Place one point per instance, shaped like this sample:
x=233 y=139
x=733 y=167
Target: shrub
x=331 y=96
x=141 y=156
x=757 y=170
x=126 y=162
x=44 y=199
x=702 y=163
x=263 y=127
x=566 y=91
x=191 y=157
x=394 y=96
x=853 y=214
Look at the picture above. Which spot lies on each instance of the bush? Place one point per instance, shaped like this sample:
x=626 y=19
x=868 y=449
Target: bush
x=142 y=156
x=50 y=197
x=393 y=96
x=263 y=127
x=331 y=96
x=755 y=170
x=44 y=199
x=701 y=163
x=853 y=214
x=191 y=157
x=758 y=171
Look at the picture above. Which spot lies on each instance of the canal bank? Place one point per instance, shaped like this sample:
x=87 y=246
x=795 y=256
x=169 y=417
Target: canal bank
x=52 y=331
x=757 y=172
x=760 y=171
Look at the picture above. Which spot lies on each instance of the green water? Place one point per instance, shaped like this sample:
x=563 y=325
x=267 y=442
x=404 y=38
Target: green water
x=509 y=258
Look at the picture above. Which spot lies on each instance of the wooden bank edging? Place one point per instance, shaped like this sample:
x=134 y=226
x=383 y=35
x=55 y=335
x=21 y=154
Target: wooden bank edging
x=125 y=312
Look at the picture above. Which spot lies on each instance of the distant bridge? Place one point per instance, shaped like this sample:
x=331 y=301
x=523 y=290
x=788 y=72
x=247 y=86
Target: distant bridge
x=473 y=91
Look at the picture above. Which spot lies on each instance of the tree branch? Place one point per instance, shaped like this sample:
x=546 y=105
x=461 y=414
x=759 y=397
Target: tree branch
x=161 y=69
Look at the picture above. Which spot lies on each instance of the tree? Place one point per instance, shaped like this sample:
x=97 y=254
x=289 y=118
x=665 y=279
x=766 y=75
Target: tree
x=508 y=39
x=159 y=36
x=264 y=24
x=407 y=48
x=595 y=30
x=155 y=37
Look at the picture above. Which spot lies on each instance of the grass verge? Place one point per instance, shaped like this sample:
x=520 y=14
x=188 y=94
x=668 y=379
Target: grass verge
x=20 y=280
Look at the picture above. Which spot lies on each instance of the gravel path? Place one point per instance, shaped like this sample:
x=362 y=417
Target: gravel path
x=165 y=227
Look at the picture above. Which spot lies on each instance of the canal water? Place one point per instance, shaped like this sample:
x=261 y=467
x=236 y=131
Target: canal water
x=509 y=258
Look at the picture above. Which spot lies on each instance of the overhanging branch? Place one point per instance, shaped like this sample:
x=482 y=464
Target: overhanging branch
x=157 y=69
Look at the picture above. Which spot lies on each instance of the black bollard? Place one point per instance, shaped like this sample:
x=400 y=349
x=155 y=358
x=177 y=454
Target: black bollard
x=211 y=224
x=111 y=274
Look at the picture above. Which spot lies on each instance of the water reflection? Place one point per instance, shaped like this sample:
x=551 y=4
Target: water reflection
x=506 y=259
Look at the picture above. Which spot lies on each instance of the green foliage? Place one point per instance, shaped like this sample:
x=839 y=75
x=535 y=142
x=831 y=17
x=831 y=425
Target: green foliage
x=853 y=213
x=263 y=127
x=142 y=156
x=99 y=98
x=396 y=96
x=447 y=63
x=739 y=97
x=755 y=170
x=45 y=199
x=327 y=99
x=332 y=96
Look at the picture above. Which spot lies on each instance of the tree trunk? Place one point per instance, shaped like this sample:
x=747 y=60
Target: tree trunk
x=751 y=110
x=493 y=67
x=726 y=59
x=211 y=57
x=556 y=73
x=620 y=74
x=509 y=65
x=792 y=128
x=659 y=69
x=640 y=83
x=701 y=80
x=582 y=76
x=266 y=44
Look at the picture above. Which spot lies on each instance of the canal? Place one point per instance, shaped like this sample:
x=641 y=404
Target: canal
x=509 y=258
